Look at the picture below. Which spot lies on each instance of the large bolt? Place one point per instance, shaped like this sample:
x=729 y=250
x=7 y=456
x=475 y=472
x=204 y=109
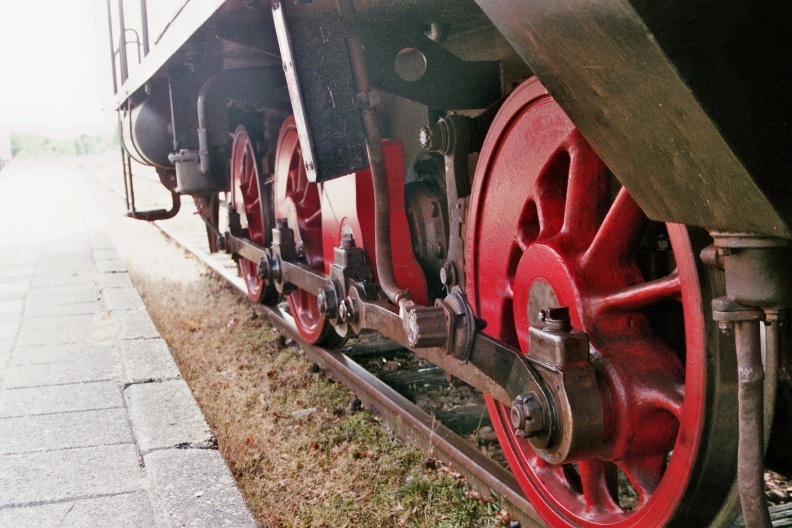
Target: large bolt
x=346 y=310
x=264 y=269
x=347 y=240
x=527 y=416
x=433 y=138
x=556 y=319
x=448 y=275
x=327 y=302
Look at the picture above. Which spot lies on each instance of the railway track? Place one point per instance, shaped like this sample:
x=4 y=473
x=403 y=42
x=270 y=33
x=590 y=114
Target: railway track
x=407 y=420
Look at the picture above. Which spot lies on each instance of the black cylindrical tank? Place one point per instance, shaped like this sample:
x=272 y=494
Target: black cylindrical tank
x=146 y=131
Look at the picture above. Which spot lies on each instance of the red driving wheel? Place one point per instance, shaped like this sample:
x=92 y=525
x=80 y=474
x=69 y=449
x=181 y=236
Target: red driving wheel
x=297 y=200
x=551 y=227
x=247 y=191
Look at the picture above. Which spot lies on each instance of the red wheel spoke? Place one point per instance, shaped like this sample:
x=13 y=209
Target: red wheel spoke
x=670 y=397
x=637 y=297
x=598 y=479
x=587 y=193
x=620 y=232
x=644 y=474
x=314 y=219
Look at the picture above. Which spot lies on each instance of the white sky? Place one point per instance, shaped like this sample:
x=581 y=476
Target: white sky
x=55 y=67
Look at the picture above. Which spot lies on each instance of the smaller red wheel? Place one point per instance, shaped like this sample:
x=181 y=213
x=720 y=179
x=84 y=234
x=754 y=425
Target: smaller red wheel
x=247 y=190
x=297 y=200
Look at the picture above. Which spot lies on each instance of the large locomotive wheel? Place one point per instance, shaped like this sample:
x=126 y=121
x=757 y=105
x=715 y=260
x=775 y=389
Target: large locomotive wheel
x=297 y=200
x=550 y=226
x=248 y=195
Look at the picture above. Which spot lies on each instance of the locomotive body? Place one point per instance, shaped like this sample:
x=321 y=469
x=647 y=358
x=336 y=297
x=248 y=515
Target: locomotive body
x=560 y=203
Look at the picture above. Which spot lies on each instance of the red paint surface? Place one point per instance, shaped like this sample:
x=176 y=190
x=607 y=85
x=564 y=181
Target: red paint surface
x=348 y=203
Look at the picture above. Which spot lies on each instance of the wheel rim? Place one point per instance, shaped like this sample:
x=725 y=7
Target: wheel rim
x=550 y=227
x=297 y=200
x=246 y=201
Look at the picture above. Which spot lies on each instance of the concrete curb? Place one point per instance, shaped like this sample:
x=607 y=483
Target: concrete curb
x=189 y=483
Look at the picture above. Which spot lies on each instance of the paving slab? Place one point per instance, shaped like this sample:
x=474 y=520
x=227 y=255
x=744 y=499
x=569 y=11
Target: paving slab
x=31 y=401
x=11 y=308
x=109 y=253
x=55 y=297
x=70 y=278
x=145 y=360
x=193 y=487
x=72 y=291
x=84 y=352
x=47 y=309
x=13 y=285
x=69 y=474
x=9 y=329
x=121 y=298
x=13 y=296
x=102 y=368
x=49 y=432
x=114 y=280
x=128 y=510
x=59 y=329
x=134 y=324
x=110 y=265
x=26 y=271
x=166 y=415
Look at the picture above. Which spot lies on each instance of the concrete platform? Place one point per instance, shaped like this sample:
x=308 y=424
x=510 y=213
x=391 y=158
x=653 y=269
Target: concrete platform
x=97 y=427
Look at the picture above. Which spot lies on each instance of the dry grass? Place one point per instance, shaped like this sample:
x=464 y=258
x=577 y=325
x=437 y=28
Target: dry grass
x=295 y=465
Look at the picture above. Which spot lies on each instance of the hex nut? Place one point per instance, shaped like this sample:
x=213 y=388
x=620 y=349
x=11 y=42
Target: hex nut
x=527 y=415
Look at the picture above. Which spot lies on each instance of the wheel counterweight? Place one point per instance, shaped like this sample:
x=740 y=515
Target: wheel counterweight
x=551 y=227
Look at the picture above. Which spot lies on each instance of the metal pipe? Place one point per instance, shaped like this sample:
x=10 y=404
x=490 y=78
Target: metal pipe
x=123 y=163
x=122 y=52
x=771 y=366
x=376 y=156
x=112 y=51
x=145 y=26
x=750 y=449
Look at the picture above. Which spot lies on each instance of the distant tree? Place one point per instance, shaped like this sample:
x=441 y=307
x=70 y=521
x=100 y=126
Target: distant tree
x=24 y=145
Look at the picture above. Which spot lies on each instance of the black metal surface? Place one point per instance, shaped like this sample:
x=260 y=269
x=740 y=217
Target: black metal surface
x=669 y=97
x=185 y=85
x=448 y=82
x=250 y=29
x=261 y=87
x=146 y=129
x=324 y=95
